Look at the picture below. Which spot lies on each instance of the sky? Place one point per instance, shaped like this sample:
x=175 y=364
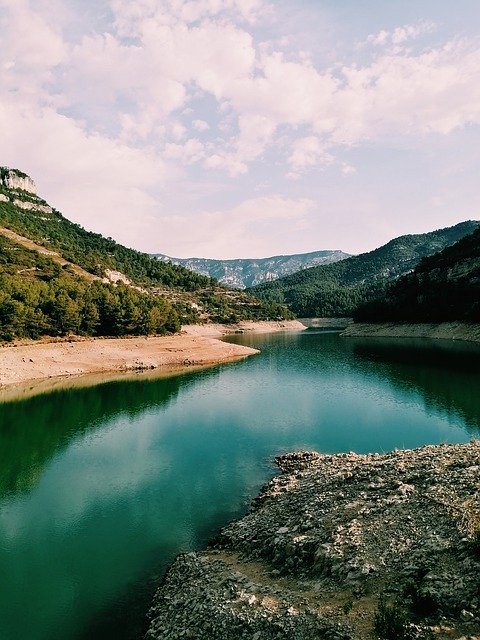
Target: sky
x=245 y=128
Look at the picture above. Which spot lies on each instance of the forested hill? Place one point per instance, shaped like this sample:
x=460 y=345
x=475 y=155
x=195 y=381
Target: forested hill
x=337 y=289
x=247 y=272
x=57 y=278
x=443 y=288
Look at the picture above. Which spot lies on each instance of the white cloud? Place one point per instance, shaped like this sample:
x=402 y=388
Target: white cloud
x=191 y=151
x=402 y=34
x=307 y=152
x=118 y=107
x=200 y=125
x=244 y=230
x=30 y=48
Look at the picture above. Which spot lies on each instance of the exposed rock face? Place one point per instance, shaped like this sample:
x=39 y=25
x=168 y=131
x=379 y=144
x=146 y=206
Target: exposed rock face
x=326 y=539
x=3 y=198
x=243 y=273
x=32 y=206
x=14 y=179
x=116 y=276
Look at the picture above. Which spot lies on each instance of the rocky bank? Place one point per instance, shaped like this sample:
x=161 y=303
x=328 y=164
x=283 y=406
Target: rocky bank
x=334 y=543
x=443 y=330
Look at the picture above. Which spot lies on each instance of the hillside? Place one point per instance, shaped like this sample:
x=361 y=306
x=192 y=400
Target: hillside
x=246 y=272
x=444 y=287
x=338 y=289
x=57 y=278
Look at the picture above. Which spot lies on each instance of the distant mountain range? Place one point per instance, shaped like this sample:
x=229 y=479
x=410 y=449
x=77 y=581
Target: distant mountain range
x=336 y=290
x=248 y=272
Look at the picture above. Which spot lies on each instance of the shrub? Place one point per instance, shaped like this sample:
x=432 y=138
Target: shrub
x=391 y=621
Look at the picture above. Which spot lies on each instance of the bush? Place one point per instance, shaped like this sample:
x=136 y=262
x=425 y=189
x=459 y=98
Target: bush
x=391 y=621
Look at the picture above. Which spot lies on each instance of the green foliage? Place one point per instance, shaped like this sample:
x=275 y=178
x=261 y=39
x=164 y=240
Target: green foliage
x=40 y=297
x=444 y=287
x=30 y=308
x=96 y=253
x=391 y=621
x=476 y=540
x=347 y=606
x=338 y=289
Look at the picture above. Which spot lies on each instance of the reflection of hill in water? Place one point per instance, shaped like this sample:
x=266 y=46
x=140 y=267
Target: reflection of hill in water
x=446 y=374
x=32 y=431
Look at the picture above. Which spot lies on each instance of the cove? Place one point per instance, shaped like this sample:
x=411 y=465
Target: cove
x=101 y=487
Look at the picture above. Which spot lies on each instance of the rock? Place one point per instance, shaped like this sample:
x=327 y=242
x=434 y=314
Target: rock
x=466 y=616
x=396 y=524
x=14 y=179
x=32 y=206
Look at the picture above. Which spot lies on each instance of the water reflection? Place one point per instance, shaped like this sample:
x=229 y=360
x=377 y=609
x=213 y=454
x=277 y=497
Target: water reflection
x=33 y=430
x=445 y=373
x=101 y=487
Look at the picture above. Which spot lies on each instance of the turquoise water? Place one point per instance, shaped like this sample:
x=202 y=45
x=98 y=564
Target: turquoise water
x=101 y=487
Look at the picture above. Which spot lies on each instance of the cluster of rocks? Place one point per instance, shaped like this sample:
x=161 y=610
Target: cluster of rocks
x=329 y=538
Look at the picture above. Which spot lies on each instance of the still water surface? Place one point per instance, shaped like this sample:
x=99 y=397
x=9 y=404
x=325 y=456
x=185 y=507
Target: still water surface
x=101 y=487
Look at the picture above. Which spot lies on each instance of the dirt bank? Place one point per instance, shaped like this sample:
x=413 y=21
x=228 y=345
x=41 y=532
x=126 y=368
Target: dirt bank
x=38 y=361
x=264 y=326
x=445 y=331
x=330 y=538
x=34 y=367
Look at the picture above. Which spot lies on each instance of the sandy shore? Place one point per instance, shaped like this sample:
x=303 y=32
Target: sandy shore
x=35 y=367
x=444 y=331
x=265 y=326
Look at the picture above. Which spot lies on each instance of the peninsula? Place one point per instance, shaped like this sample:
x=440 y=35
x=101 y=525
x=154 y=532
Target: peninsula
x=341 y=547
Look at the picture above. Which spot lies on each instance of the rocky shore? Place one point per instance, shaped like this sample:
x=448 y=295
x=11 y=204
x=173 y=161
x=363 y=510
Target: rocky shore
x=445 y=330
x=340 y=547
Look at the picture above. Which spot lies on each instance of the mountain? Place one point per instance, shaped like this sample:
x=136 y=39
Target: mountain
x=57 y=278
x=246 y=272
x=338 y=289
x=444 y=287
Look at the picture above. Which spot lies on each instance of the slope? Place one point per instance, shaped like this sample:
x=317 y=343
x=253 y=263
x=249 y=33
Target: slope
x=338 y=289
x=57 y=278
x=444 y=287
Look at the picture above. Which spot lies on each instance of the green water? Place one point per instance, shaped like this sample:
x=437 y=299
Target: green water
x=101 y=487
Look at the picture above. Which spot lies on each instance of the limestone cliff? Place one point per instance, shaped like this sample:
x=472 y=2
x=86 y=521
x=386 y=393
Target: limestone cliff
x=15 y=179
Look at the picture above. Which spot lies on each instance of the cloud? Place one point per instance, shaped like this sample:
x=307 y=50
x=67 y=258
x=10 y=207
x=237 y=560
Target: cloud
x=107 y=187
x=200 y=125
x=145 y=98
x=30 y=48
x=307 y=152
x=402 y=34
x=243 y=230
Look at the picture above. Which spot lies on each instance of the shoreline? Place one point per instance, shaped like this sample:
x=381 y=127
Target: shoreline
x=29 y=367
x=441 y=331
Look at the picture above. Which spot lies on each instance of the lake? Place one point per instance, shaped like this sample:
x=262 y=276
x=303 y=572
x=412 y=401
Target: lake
x=101 y=487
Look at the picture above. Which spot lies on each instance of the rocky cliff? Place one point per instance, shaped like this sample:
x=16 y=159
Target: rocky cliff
x=248 y=272
x=15 y=179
